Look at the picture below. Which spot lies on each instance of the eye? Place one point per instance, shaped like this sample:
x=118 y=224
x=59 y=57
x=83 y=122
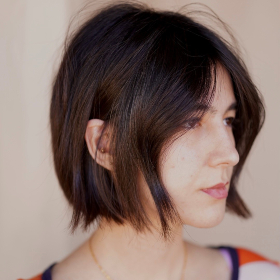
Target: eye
x=230 y=121
x=192 y=124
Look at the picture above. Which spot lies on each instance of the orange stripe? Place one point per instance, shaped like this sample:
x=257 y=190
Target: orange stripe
x=37 y=277
x=246 y=256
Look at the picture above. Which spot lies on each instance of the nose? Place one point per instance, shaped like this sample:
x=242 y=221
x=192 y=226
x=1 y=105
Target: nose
x=223 y=152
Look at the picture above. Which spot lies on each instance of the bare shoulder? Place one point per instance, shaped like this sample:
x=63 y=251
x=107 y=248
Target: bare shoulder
x=77 y=265
x=206 y=263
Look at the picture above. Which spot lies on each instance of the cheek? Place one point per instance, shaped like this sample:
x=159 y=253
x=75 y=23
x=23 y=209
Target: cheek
x=181 y=170
x=183 y=174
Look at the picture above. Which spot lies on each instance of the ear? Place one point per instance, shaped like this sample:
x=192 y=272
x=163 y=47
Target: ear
x=92 y=135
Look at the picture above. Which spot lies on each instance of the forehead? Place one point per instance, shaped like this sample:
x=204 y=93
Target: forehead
x=224 y=98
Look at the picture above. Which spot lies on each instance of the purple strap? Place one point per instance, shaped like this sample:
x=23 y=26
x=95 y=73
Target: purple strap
x=227 y=257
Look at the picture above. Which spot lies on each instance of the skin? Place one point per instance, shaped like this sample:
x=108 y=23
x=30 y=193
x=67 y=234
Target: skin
x=201 y=158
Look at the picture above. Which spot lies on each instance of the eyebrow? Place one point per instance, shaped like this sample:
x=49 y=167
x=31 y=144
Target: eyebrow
x=232 y=107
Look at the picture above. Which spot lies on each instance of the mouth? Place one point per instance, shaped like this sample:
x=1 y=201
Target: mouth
x=218 y=191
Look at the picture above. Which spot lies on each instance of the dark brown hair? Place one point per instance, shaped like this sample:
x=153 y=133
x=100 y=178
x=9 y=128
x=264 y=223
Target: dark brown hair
x=146 y=74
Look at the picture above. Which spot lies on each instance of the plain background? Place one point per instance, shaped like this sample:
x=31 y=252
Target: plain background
x=34 y=215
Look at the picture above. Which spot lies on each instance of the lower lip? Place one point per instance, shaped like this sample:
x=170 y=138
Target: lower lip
x=218 y=193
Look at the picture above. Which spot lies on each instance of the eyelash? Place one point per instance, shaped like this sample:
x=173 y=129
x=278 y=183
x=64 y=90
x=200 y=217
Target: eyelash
x=196 y=122
x=233 y=121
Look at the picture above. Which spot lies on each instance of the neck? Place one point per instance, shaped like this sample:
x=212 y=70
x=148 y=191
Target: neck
x=123 y=253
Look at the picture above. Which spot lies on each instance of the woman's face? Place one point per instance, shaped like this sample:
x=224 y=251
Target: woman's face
x=202 y=158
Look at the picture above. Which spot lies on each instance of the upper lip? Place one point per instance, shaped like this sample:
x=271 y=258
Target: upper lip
x=220 y=185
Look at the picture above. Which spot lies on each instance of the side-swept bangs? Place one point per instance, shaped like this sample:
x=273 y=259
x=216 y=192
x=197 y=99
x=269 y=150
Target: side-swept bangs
x=146 y=73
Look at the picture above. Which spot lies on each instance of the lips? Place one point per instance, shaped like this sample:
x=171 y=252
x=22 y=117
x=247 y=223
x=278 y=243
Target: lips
x=220 y=185
x=218 y=191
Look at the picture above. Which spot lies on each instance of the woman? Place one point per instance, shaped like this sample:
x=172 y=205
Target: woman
x=152 y=118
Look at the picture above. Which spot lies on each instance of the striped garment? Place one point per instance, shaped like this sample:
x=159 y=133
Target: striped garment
x=244 y=264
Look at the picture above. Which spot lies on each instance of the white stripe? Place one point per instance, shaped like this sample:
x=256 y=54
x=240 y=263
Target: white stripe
x=259 y=270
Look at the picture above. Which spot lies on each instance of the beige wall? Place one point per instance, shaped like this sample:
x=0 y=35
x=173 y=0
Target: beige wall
x=33 y=213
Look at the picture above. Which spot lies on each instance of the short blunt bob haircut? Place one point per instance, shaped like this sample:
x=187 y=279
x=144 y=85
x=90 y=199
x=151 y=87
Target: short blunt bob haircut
x=146 y=74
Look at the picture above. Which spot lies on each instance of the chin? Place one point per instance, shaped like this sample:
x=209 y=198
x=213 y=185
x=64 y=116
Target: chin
x=208 y=218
